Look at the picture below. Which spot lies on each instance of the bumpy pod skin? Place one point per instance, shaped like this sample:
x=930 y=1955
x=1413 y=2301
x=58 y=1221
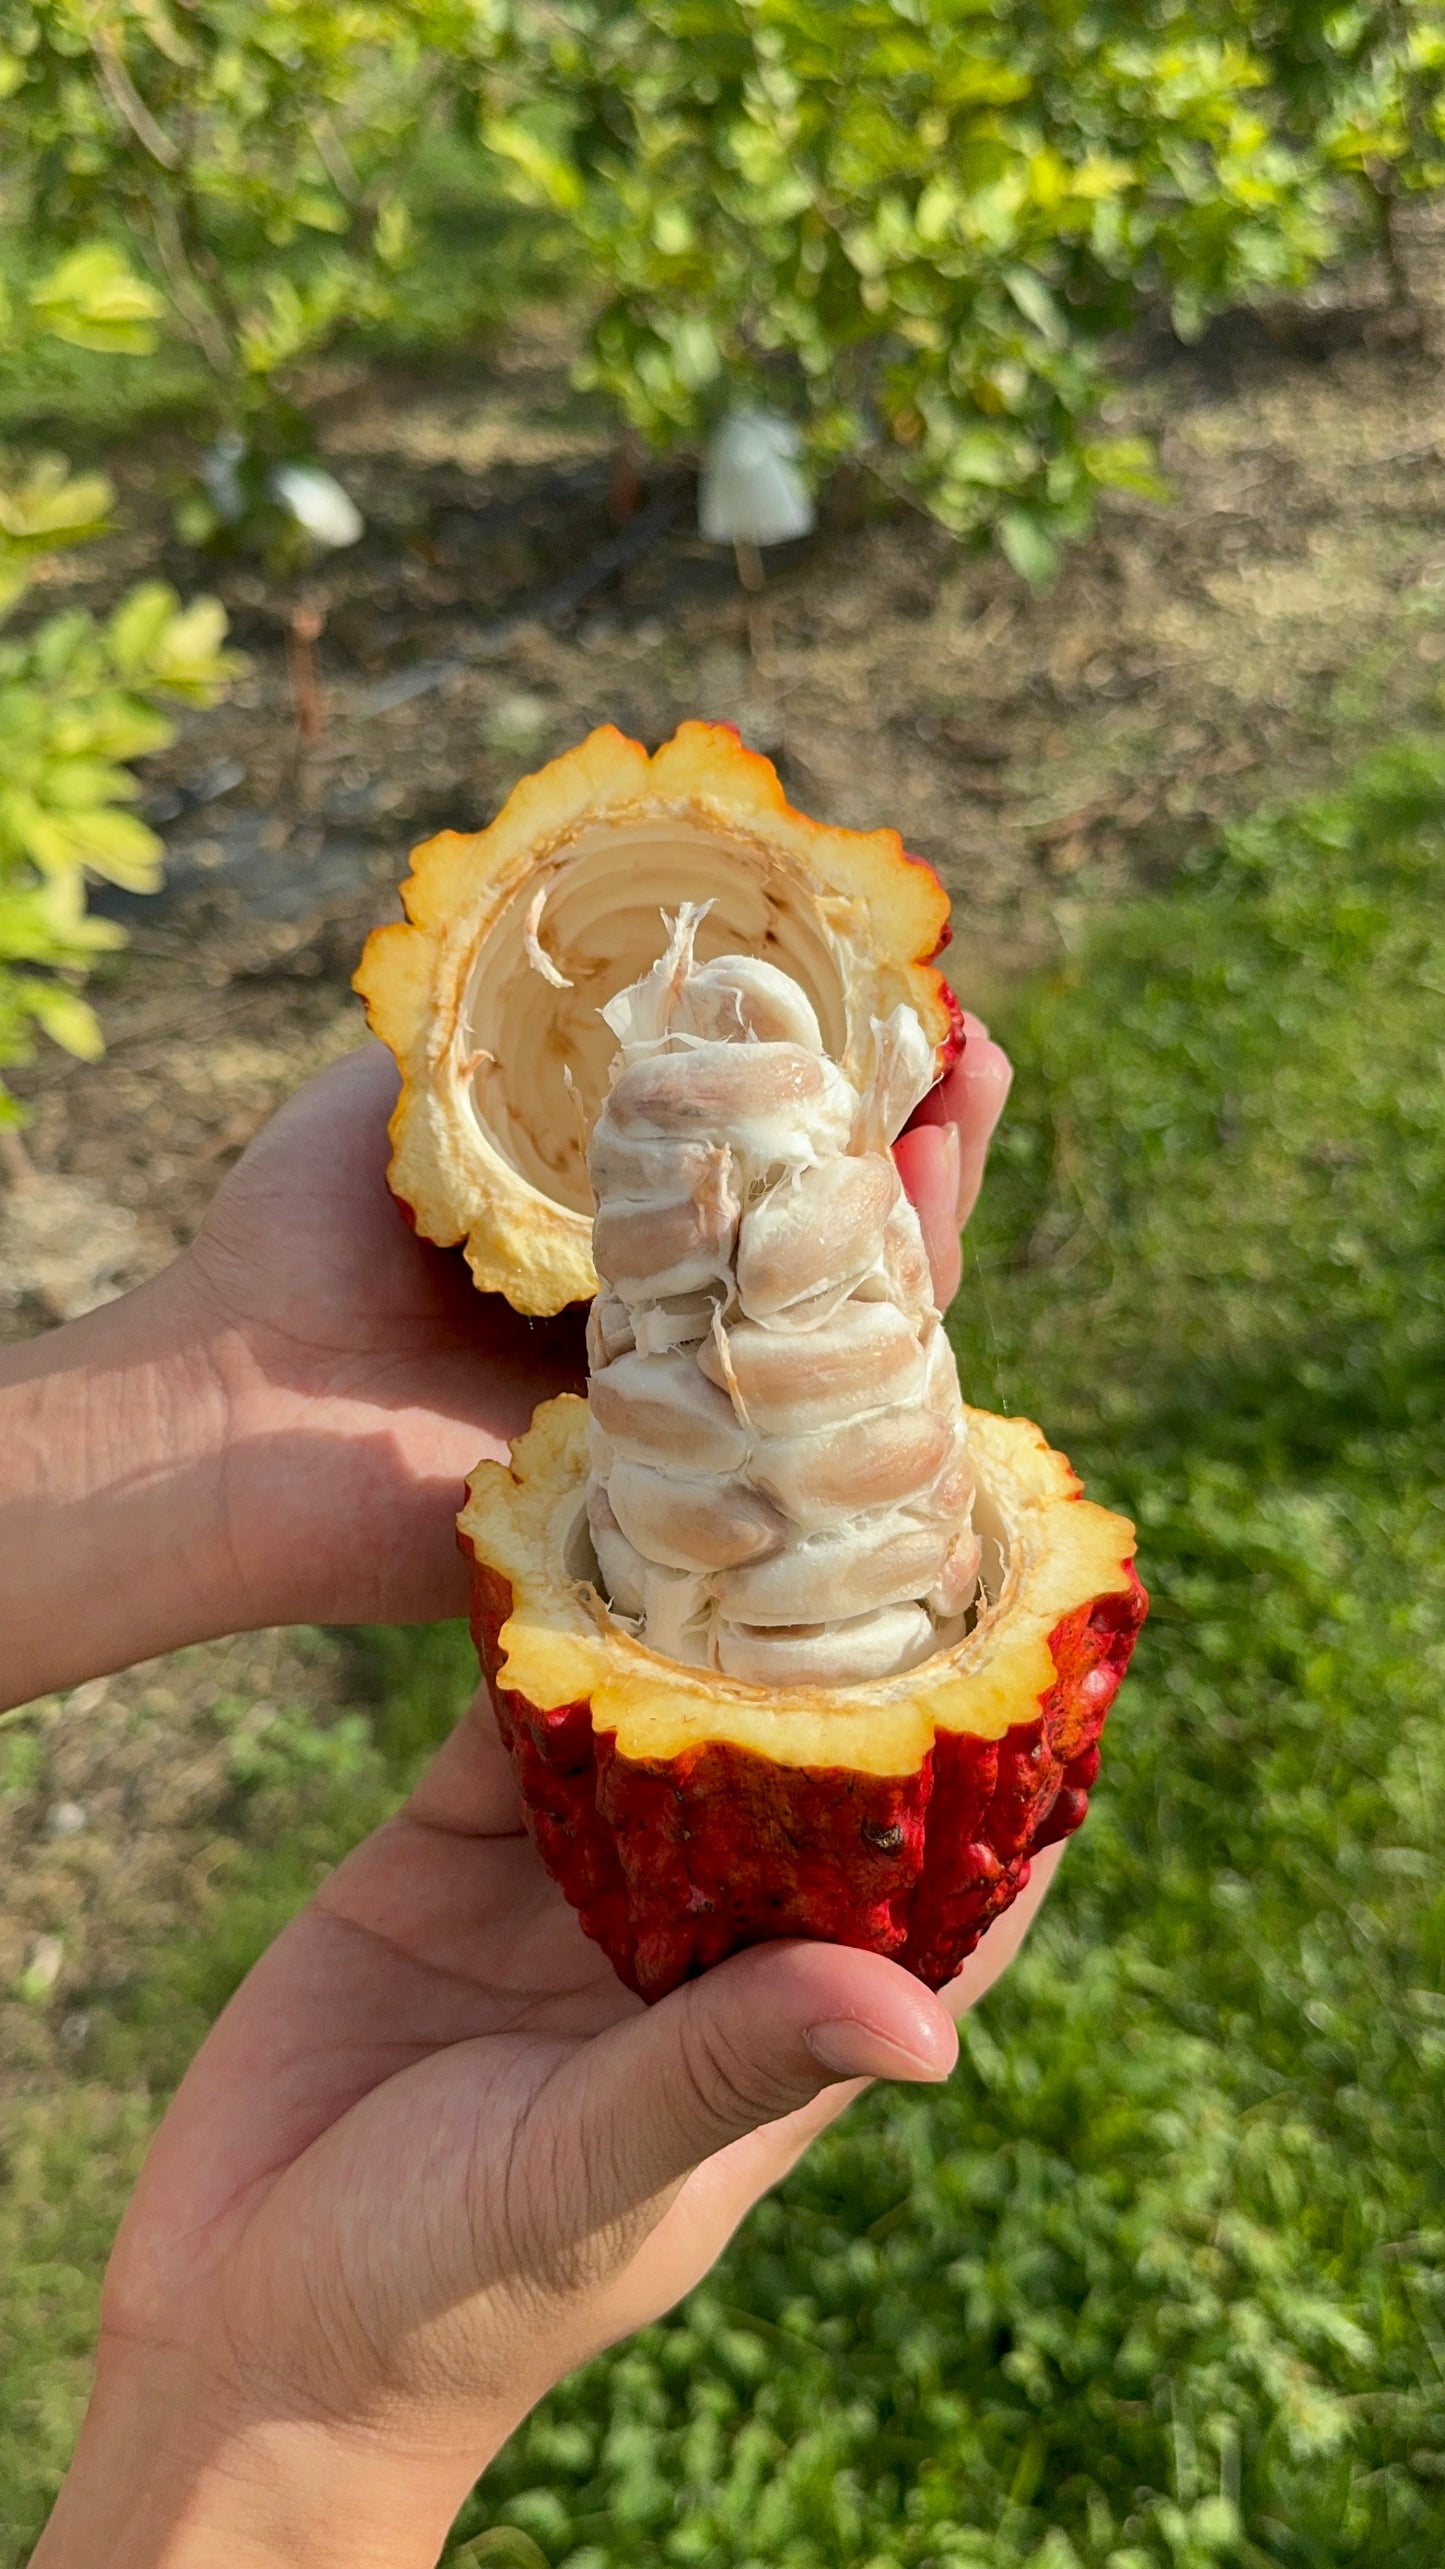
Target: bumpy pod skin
x=686 y=1816
x=489 y=994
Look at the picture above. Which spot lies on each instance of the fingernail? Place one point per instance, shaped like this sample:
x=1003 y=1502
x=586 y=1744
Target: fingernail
x=851 y=2050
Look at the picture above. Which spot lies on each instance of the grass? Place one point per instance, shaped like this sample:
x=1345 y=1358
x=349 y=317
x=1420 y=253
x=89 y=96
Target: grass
x=1161 y=2278
x=299 y=1794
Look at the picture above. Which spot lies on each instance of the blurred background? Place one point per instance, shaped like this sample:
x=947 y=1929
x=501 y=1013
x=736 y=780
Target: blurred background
x=1025 y=422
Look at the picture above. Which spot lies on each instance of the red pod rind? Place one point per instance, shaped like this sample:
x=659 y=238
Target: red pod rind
x=951 y=1048
x=729 y=1836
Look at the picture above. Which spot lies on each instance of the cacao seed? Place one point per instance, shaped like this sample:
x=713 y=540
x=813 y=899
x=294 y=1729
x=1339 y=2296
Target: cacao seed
x=815 y=1234
x=781 y=1490
x=647 y=1250
x=875 y=1461
x=829 y=1575
x=864 y=1648
x=864 y=1359
x=693 y=1524
x=662 y=1410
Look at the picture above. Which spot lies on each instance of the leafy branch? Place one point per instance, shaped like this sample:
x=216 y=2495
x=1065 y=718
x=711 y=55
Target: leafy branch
x=80 y=698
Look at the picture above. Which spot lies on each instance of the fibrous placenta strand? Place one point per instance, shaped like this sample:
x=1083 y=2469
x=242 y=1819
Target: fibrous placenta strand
x=779 y=1483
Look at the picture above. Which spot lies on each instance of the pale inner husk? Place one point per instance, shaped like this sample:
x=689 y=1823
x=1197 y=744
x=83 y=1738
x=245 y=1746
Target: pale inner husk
x=537 y=1056
x=1049 y=1555
x=780 y=1486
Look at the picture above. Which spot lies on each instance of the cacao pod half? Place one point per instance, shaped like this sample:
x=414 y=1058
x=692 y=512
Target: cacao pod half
x=685 y=1811
x=490 y=995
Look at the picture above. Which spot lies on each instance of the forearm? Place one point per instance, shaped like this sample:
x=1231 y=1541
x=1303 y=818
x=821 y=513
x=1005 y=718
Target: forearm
x=112 y=1531
x=163 y=2478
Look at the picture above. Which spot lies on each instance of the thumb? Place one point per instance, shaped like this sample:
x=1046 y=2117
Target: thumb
x=749 y=2042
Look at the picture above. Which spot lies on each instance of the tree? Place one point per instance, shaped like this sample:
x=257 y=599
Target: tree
x=251 y=157
x=919 y=224
x=79 y=699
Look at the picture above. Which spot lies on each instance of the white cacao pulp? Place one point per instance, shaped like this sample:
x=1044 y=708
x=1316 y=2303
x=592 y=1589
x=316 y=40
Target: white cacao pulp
x=780 y=1486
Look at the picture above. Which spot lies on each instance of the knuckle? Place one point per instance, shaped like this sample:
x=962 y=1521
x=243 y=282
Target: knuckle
x=735 y=2088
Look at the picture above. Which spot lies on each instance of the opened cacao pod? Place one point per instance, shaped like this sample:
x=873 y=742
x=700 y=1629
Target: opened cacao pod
x=784 y=1640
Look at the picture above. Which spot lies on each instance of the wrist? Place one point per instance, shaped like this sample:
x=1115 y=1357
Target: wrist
x=113 y=1541
x=167 y=2475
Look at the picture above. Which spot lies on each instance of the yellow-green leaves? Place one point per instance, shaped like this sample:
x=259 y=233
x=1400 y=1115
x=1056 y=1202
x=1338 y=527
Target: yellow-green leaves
x=247 y=155
x=93 y=299
x=78 y=700
x=67 y=1019
x=47 y=508
x=156 y=642
x=539 y=174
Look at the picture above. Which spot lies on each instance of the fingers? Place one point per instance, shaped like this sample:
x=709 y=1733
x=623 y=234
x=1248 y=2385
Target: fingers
x=469 y=1789
x=977 y=1087
x=942 y=1153
x=929 y=1160
x=996 y=1949
x=331 y=1132
x=750 y=2042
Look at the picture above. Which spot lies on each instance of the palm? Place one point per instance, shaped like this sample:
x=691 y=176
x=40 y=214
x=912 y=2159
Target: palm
x=349 y=2126
x=390 y=2126
x=380 y=1374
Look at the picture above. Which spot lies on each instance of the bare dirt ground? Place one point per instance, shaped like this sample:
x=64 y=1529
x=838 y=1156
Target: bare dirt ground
x=116 y=1805
x=1051 y=753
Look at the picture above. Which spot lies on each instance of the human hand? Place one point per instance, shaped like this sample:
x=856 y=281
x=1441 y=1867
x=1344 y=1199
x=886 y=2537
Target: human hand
x=278 y=1428
x=365 y=1376
x=943 y=1149
x=433 y=2157
x=370 y=1377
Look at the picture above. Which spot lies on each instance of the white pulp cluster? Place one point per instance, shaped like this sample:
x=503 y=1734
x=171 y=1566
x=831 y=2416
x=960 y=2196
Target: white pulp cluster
x=780 y=1486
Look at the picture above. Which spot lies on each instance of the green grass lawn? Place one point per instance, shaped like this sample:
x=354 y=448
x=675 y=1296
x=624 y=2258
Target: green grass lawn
x=1160 y=2279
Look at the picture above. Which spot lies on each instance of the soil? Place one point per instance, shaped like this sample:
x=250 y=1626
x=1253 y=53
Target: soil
x=116 y=1803
x=1050 y=752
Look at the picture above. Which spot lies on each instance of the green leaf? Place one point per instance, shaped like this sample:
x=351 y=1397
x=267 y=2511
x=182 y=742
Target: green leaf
x=1036 y=304
x=93 y=299
x=394 y=238
x=80 y=785
x=1126 y=464
x=137 y=628
x=1030 y=549
x=540 y=174
x=504 y=2547
x=118 y=846
x=54 y=506
x=67 y=1019
x=155 y=642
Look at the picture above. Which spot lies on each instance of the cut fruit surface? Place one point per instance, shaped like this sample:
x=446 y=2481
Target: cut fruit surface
x=687 y=1813
x=490 y=994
